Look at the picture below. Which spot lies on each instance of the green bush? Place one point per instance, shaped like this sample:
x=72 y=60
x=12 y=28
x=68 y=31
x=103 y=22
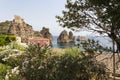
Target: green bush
x=40 y=64
x=35 y=58
x=2 y=41
x=15 y=61
x=17 y=46
x=6 y=39
x=3 y=70
x=12 y=59
x=6 y=23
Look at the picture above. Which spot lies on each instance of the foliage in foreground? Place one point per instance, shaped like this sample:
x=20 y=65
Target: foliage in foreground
x=92 y=46
x=102 y=16
x=41 y=63
x=72 y=65
x=3 y=70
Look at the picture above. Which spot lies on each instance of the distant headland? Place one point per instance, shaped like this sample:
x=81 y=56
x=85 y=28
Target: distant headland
x=18 y=27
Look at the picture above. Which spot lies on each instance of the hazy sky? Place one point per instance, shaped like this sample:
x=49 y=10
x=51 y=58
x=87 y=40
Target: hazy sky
x=37 y=13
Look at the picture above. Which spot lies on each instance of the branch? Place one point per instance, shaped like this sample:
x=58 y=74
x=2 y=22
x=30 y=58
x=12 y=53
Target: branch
x=94 y=21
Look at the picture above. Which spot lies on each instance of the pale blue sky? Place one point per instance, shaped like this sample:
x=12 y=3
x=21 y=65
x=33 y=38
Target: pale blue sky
x=37 y=13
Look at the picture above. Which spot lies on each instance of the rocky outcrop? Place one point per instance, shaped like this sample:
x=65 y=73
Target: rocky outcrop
x=37 y=34
x=19 y=28
x=4 y=26
x=65 y=38
x=81 y=38
x=46 y=34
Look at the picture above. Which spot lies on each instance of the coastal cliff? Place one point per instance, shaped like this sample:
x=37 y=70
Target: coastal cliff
x=20 y=28
x=46 y=34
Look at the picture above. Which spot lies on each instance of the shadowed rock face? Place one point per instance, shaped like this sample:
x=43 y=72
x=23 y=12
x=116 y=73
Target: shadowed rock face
x=37 y=34
x=46 y=34
x=65 y=38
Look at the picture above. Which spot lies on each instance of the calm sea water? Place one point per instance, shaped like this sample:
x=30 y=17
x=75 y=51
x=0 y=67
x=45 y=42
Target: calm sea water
x=62 y=45
x=104 y=41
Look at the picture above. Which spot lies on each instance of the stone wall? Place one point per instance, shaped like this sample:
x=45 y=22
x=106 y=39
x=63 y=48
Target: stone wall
x=18 y=19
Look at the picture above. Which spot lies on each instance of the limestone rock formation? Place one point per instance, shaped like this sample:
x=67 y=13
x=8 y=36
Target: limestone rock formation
x=46 y=34
x=37 y=34
x=19 y=28
x=18 y=19
x=65 y=38
x=81 y=38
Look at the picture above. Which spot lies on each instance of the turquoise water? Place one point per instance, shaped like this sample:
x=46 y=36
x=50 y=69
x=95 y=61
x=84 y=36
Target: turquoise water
x=104 y=41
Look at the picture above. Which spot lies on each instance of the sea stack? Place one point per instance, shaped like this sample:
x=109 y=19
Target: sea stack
x=65 y=38
x=81 y=38
x=46 y=34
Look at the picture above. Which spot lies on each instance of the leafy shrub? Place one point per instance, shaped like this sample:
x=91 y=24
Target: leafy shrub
x=2 y=41
x=3 y=70
x=6 y=23
x=40 y=64
x=13 y=74
x=35 y=58
x=74 y=65
x=12 y=59
x=73 y=51
x=17 y=46
x=93 y=46
x=6 y=39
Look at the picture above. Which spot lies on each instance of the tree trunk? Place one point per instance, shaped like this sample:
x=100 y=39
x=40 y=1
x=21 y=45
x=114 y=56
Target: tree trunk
x=116 y=40
x=118 y=46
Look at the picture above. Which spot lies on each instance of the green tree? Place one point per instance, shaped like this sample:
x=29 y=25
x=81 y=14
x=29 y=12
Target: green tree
x=2 y=41
x=102 y=16
x=6 y=39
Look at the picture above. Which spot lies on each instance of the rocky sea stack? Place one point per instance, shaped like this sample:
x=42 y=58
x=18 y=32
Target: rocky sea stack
x=65 y=38
x=46 y=33
x=20 y=28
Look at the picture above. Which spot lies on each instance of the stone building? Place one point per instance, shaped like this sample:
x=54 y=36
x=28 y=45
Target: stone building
x=18 y=19
x=41 y=41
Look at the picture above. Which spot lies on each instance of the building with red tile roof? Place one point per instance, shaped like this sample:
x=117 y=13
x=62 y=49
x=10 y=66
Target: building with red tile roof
x=41 y=41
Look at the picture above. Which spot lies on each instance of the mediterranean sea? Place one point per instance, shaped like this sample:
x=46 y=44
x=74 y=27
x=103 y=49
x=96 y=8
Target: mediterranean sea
x=103 y=40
